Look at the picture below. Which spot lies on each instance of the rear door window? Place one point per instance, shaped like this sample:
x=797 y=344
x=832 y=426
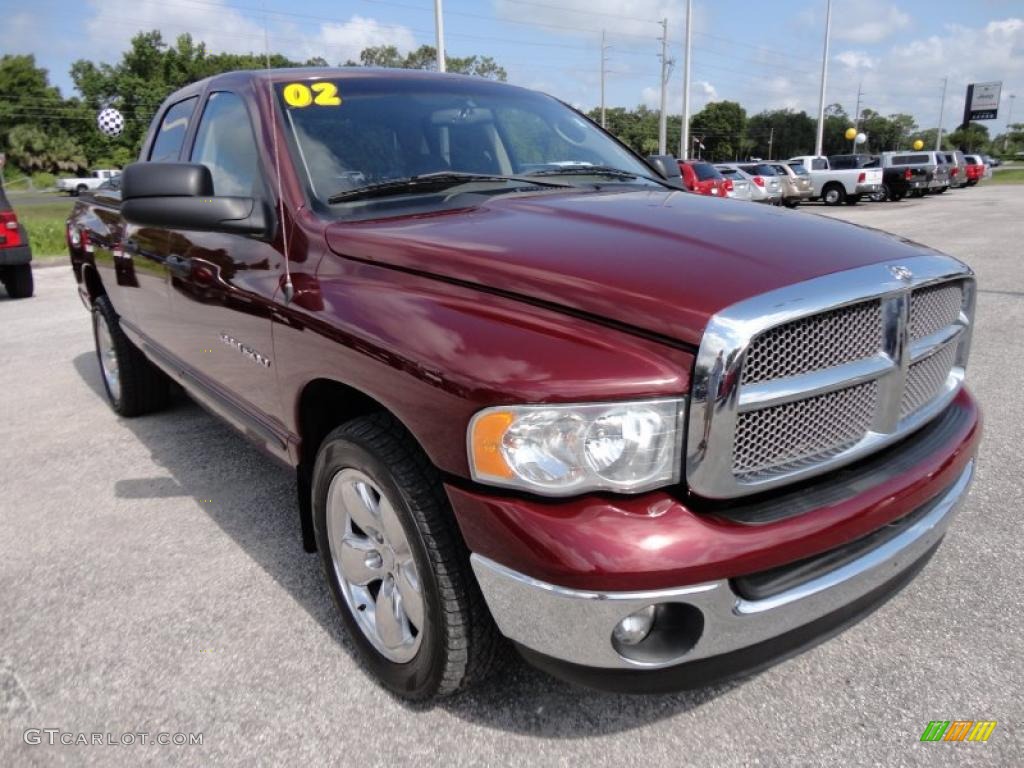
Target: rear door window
x=170 y=135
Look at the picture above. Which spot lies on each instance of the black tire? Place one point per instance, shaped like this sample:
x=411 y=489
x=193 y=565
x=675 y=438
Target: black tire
x=791 y=203
x=940 y=190
x=833 y=194
x=852 y=199
x=897 y=196
x=917 y=193
x=80 y=189
x=18 y=281
x=144 y=388
x=460 y=643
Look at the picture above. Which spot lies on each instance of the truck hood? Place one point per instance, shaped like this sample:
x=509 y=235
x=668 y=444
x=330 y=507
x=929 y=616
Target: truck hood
x=661 y=261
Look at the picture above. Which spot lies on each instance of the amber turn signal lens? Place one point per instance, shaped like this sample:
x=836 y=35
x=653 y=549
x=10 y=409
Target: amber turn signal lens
x=488 y=430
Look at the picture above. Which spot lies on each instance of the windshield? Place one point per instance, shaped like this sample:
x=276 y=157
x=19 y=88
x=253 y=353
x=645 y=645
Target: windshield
x=367 y=131
x=798 y=169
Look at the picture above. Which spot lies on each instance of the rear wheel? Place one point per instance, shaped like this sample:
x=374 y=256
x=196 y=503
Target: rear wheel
x=791 y=202
x=80 y=189
x=134 y=386
x=833 y=194
x=18 y=281
x=396 y=564
x=881 y=195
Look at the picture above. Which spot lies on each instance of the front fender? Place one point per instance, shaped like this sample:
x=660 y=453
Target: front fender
x=434 y=353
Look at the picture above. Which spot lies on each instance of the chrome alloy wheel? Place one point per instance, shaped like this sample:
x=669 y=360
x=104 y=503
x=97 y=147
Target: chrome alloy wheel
x=108 y=357
x=374 y=565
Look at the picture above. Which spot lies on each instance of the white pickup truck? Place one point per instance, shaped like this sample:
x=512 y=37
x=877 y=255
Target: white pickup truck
x=76 y=186
x=838 y=186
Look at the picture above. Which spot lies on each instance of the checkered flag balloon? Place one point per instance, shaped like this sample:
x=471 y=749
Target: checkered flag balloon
x=110 y=122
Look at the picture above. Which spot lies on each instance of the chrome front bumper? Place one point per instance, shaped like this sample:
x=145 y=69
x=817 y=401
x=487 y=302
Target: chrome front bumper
x=576 y=626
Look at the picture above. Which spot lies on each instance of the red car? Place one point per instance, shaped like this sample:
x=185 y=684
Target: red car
x=975 y=169
x=704 y=179
x=530 y=389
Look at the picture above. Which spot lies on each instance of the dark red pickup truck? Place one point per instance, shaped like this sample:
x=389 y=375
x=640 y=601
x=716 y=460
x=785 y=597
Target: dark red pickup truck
x=532 y=391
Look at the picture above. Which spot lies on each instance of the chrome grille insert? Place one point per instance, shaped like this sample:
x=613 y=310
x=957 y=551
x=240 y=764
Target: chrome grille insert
x=935 y=308
x=806 y=378
x=926 y=378
x=822 y=341
x=785 y=437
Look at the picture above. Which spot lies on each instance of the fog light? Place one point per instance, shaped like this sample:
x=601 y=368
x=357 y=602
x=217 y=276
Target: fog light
x=635 y=627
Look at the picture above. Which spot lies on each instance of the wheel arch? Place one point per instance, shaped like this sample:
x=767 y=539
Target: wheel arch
x=322 y=405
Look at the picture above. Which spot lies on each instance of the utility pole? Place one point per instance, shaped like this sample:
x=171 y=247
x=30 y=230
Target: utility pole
x=439 y=26
x=684 y=138
x=818 y=145
x=942 y=108
x=1009 y=122
x=662 y=117
x=771 y=140
x=604 y=60
x=856 y=119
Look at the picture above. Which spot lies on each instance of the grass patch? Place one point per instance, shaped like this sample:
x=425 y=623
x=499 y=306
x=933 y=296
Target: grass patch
x=45 y=224
x=1007 y=176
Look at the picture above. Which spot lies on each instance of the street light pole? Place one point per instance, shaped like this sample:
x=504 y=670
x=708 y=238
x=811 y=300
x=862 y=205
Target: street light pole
x=856 y=120
x=684 y=138
x=942 y=109
x=662 y=117
x=604 y=60
x=1009 y=122
x=818 y=145
x=439 y=26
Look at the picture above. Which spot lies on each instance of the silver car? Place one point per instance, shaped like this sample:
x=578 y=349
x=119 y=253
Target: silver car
x=765 y=185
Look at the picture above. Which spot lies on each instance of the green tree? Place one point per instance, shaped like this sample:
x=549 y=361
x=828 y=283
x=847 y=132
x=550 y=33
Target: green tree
x=972 y=137
x=425 y=57
x=721 y=127
x=780 y=133
x=36 y=124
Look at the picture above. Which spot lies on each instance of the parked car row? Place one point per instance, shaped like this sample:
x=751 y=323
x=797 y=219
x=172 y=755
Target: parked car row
x=836 y=179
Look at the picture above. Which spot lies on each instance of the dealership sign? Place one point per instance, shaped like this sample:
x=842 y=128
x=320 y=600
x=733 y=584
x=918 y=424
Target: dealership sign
x=982 y=101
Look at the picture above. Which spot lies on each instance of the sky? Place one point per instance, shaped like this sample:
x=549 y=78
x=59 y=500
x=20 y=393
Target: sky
x=765 y=55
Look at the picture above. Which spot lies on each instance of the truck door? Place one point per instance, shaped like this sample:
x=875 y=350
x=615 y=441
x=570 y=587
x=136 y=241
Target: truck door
x=140 y=258
x=222 y=285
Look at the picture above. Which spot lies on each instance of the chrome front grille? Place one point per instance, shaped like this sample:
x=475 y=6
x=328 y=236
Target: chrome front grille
x=807 y=378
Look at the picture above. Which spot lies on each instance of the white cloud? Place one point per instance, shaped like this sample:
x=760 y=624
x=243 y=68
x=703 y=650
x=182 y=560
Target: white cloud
x=867 y=22
x=855 y=60
x=345 y=41
x=701 y=93
x=225 y=29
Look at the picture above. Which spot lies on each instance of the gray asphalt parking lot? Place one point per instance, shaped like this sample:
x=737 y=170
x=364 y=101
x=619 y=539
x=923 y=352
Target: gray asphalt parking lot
x=152 y=580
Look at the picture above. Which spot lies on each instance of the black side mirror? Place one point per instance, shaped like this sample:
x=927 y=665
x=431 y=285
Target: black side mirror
x=667 y=167
x=180 y=196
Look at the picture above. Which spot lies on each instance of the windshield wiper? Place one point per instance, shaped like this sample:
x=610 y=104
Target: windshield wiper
x=429 y=182
x=593 y=170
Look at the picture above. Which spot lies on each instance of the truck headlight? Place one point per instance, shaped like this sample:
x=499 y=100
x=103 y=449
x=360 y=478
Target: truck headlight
x=560 y=450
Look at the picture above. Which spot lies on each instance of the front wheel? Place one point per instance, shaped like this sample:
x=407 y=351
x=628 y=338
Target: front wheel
x=18 y=281
x=791 y=202
x=395 y=562
x=80 y=189
x=852 y=199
